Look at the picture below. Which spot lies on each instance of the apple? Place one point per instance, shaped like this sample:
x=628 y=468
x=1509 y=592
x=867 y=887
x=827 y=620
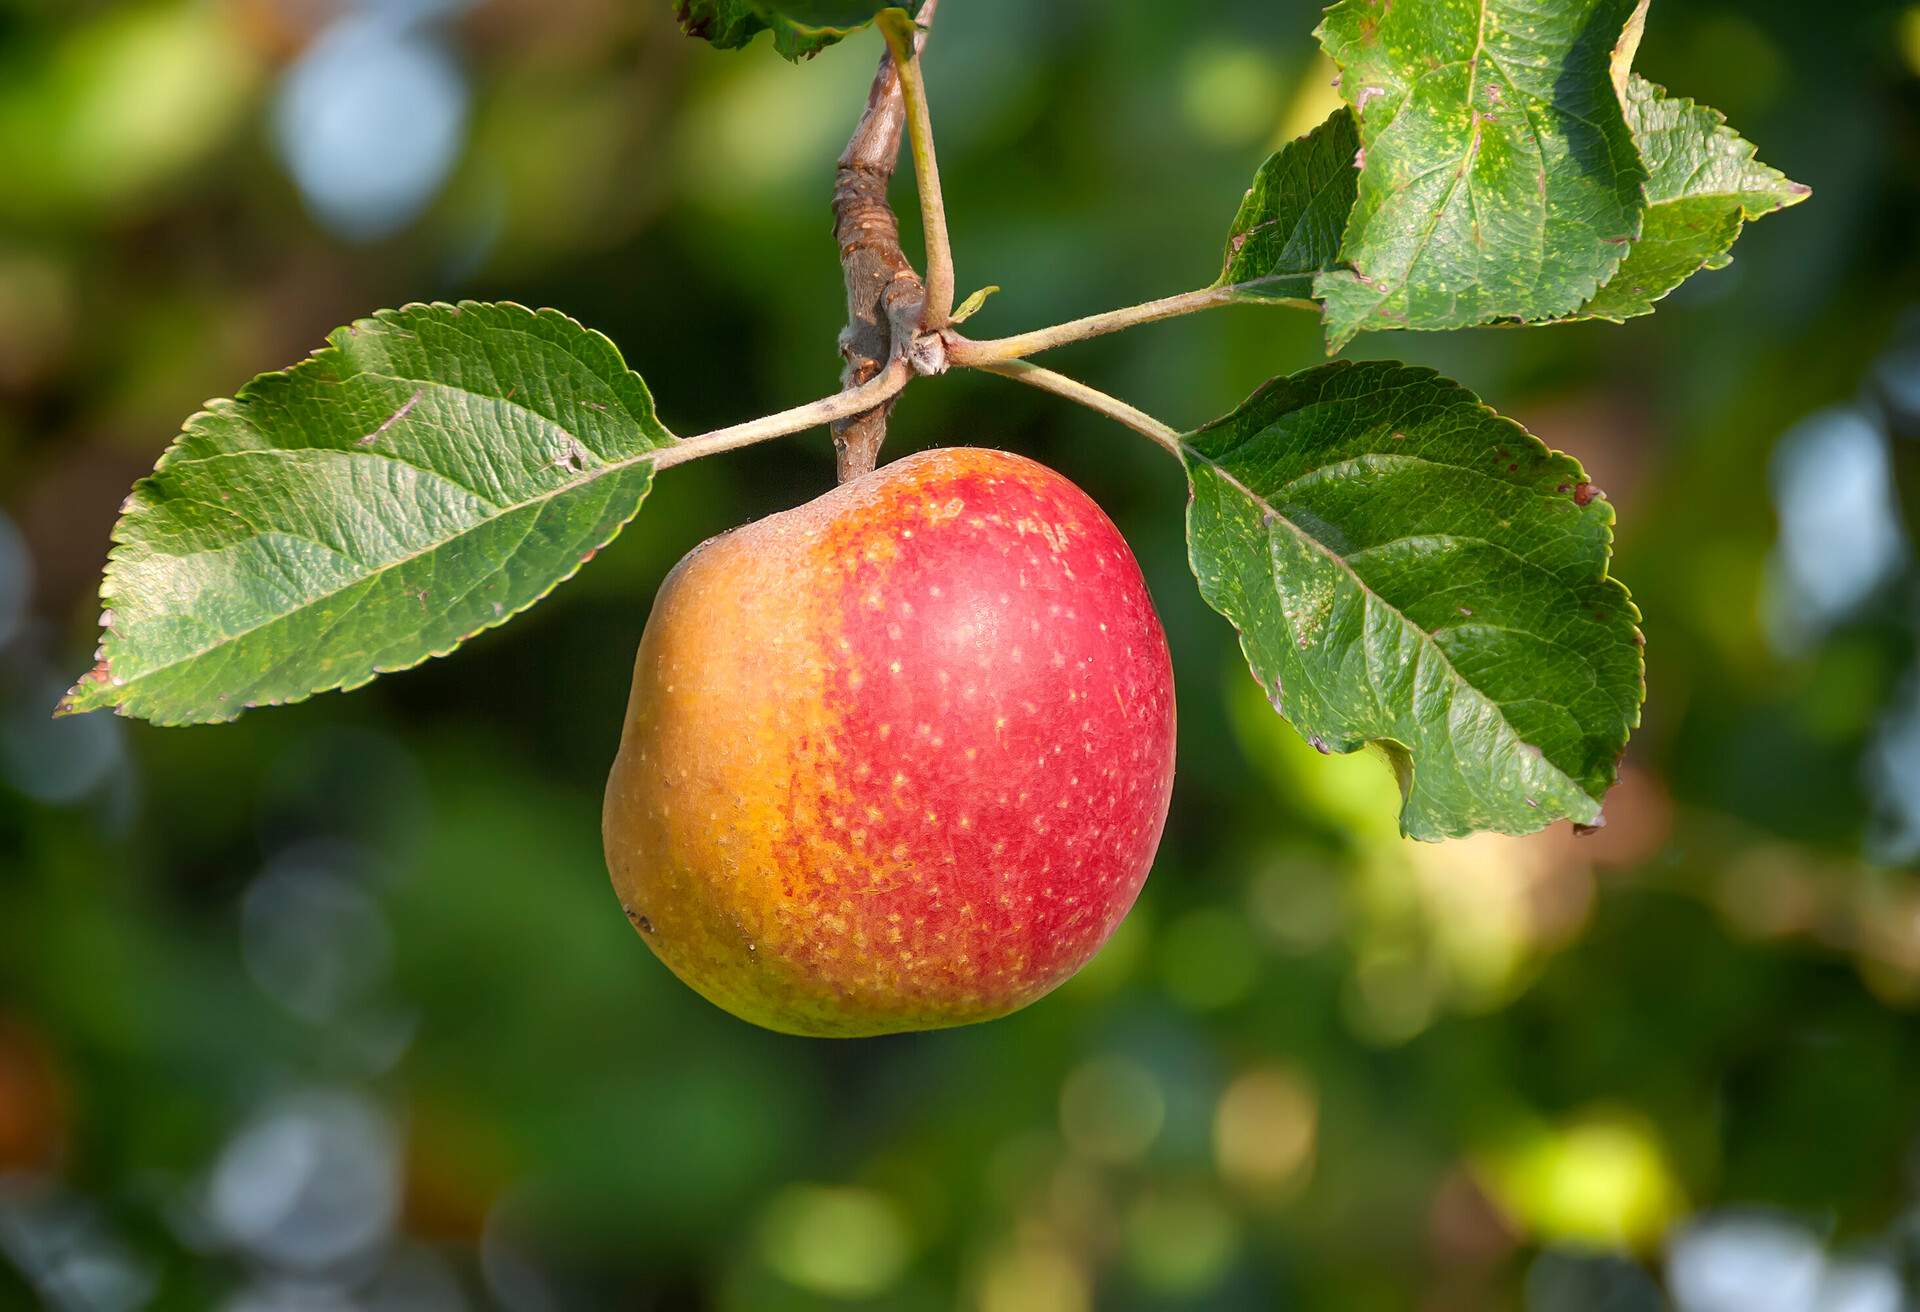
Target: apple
x=899 y=758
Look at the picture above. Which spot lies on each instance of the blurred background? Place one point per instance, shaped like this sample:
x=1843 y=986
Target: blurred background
x=333 y=1008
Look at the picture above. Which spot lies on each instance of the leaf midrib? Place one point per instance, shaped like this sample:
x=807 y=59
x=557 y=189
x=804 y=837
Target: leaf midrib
x=1462 y=167
x=646 y=456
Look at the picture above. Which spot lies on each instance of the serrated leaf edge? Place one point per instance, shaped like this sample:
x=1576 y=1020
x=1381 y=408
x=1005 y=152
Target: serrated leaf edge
x=793 y=39
x=98 y=688
x=1795 y=193
x=1606 y=577
x=1749 y=154
x=1245 y=291
x=1619 y=65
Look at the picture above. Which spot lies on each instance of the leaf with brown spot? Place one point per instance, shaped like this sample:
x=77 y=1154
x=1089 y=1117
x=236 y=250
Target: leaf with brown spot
x=1705 y=184
x=1288 y=227
x=1499 y=170
x=1423 y=575
x=380 y=502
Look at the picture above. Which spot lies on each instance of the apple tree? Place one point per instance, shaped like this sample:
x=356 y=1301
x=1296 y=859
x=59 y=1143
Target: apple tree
x=1407 y=570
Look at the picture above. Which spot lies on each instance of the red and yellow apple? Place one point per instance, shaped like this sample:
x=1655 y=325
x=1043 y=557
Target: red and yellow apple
x=899 y=758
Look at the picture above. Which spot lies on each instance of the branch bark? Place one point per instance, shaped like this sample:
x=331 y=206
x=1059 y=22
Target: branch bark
x=885 y=297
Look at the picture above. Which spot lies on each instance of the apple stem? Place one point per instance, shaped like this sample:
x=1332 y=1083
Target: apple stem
x=903 y=44
x=1074 y=390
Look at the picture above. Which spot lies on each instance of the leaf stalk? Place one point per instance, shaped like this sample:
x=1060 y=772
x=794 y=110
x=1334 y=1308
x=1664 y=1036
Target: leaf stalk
x=902 y=43
x=1100 y=402
x=965 y=351
x=877 y=391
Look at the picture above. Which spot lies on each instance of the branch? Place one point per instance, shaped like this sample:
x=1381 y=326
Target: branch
x=1074 y=390
x=904 y=45
x=885 y=297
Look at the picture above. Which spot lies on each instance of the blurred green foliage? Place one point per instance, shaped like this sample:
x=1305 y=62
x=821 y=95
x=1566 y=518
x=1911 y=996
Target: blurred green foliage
x=334 y=1008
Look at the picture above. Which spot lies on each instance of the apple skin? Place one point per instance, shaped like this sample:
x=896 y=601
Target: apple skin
x=899 y=758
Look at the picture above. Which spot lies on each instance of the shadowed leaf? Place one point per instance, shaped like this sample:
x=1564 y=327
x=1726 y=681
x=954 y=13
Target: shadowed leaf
x=1499 y=179
x=1705 y=183
x=1289 y=226
x=801 y=28
x=1408 y=569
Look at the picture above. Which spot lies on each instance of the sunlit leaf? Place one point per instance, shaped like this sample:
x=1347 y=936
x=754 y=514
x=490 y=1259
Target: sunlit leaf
x=1410 y=570
x=1289 y=226
x=430 y=473
x=1499 y=178
x=1705 y=183
x=801 y=28
x=971 y=305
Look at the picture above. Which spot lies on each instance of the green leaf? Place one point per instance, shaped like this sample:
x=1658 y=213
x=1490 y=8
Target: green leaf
x=801 y=28
x=1408 y=569
x=971 y=306
x=1499 y=177
x=430 y=473
x=1289 y=226
x=1704 y=184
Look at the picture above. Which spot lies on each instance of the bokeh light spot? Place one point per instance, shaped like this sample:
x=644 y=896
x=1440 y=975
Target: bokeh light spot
x=313 y=941
x=1909 y=36
x=839 y=1241
x=1600 y=1179
x=1034 y=1278
x=1264 y=1131
x=1745 y=1263
x=369 y=122
x=1229 y=94
x=311 y=1183
x=58 y=761
x=1180 y=1240
x=1840 y=533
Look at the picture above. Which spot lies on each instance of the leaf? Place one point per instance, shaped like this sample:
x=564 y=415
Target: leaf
x=1499 y=178
x=1289 y=226
x=430 y=473
x=971 y=306
x=1408 y=569
x=1627 y=48
x=801 y=28
x=1704 y=184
